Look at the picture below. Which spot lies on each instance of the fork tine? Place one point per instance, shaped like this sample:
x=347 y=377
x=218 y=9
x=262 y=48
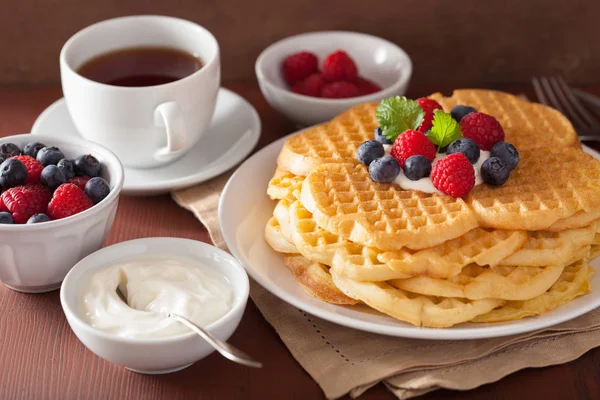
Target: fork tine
x=562 y=98
x=575 y=102
x=550 y=95
x=539 y=92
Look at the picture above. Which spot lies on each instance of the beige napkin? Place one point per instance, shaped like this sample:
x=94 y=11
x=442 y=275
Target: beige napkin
x=344 y=360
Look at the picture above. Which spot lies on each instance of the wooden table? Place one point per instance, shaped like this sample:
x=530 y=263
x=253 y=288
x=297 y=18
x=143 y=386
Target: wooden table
x=40 y=357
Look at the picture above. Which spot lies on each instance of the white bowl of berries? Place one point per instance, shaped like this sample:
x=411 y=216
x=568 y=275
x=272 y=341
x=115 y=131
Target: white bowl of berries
x=313 y=77
x=59 y=200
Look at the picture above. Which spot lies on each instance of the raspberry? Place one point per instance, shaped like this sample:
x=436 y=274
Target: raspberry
x=366 y=86
x=25 y=201
x=79 y=181
x=453 y=175
x=428 y=106
x=484 y=129
x=411 y=143
x=34 y=168
x=299 y=66
x=68 y=200
x=338 y=66
x=339 y=90
x=311 y=86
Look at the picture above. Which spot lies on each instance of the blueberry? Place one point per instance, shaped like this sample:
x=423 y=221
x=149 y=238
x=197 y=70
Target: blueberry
x=52 y=176
x=9 y=150
x=466 y=146
x=97 y=189
x=49 y=156
x=12 y=173
x=417 y=167
x=6 y=218
x=384 y=169
x=380 y=138
x=66 y=166
x=507 y=153
x=458 y=112
x=31 y=149
x=37 y=218
x=87 y=165
x=494 y=171
x=369 y=151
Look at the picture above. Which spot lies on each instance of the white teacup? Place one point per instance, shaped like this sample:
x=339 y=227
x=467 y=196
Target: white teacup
x=145 y=126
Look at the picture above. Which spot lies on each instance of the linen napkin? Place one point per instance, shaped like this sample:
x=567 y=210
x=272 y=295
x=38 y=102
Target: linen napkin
x=347 y=361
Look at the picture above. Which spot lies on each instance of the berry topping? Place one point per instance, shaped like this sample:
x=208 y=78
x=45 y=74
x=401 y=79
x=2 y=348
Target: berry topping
x=458 y=112
x=6 y=218
x=49 y=156
x=52 y=177
x=34 y=168
x=311 y=86
x=9 y=150
x=339 y=90
x=484 y=129
x=79 y=181
x=68 y=200
x=378 y=134
x=97 y=189
x=338 y=66
x=384 y=169
x=366 y=86
x=507 y=153
x=12 y=173
x=428 y=106
x=370 y=151
x=398 y=114
x=466 y=146
x=494 y=171
x=299 y=66
x=412 y=143
x=417 y=167
x=25 y=201
x=67 y=168
x=87 y=165
x=38 y=218
x=31 y=149
x=453 y=175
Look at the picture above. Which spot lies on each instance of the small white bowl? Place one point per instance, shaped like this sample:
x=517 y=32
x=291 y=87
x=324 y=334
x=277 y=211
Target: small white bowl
x=36 y=258
x=377 y=59
x=154 y=355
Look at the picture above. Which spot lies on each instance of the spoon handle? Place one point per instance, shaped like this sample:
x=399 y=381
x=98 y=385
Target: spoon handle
x=226 y=350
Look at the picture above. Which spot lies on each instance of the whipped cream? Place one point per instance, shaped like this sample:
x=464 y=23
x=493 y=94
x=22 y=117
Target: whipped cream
x=154 y=285
x=425 y=184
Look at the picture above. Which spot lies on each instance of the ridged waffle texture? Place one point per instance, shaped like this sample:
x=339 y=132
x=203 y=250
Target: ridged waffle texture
x=275 y=238
x=284 y=185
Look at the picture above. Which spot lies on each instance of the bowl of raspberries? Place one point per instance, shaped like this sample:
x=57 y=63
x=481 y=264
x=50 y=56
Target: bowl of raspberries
x=58 y=201
x=313 y=77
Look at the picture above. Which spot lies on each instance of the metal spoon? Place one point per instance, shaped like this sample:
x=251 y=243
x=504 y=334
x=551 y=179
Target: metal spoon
x=228 y=351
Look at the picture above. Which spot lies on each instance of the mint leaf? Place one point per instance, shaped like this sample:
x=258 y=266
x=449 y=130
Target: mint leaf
x=398 y=114
x=444 y=129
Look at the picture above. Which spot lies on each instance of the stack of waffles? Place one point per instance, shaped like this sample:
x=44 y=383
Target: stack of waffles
x=498 y=254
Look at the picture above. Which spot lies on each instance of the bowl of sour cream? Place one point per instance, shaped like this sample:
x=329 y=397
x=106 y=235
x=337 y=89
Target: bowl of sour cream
x=157 y=276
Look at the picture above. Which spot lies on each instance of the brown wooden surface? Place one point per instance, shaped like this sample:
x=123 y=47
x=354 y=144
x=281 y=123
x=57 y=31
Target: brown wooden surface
x=476 y=42
x=40 y=357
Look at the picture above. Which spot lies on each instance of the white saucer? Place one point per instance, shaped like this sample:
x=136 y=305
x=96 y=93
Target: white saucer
x=244 y=209
x=231 y=136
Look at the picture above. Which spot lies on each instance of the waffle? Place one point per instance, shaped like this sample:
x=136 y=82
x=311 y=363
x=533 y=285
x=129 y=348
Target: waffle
x=285 y=185
x=369 y=264
x=521 y=120
x=337 y=140
x=573 y=282
x=316 y=280
x=275 y=238
x=578 y=220
x=416 y=309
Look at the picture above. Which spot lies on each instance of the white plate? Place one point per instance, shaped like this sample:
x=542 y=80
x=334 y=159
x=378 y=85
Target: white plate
x=231 y=136
x=243 y=212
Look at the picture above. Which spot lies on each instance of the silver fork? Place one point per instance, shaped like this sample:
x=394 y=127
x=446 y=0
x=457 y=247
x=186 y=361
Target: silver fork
x=554 y=92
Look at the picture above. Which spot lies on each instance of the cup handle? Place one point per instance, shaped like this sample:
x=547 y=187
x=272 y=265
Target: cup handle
x=170 y=116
